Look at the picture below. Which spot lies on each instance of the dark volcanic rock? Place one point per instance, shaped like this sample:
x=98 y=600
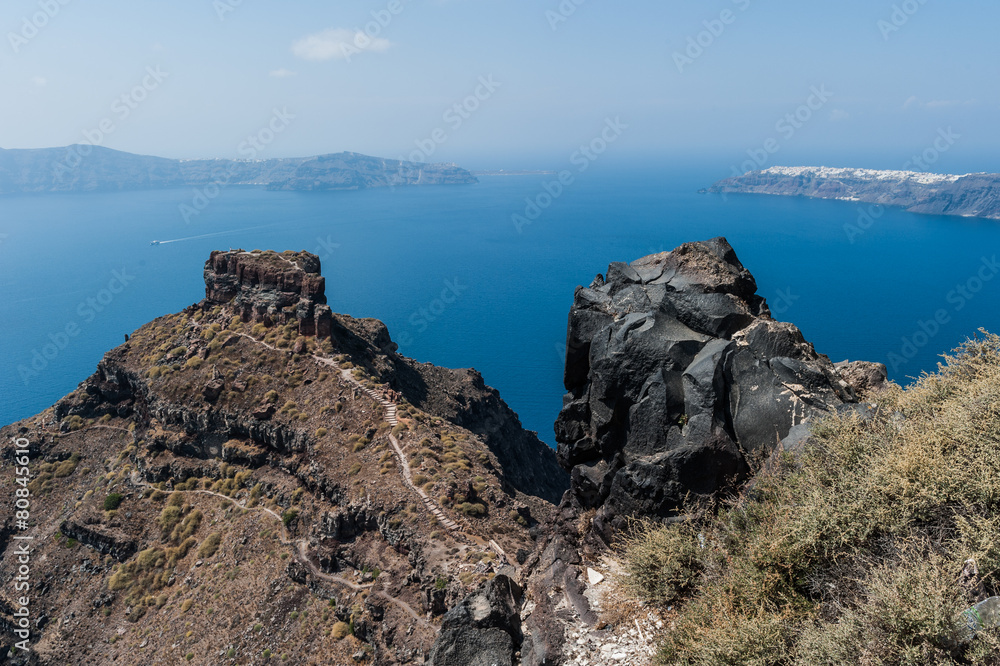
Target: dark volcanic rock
x=101 y=538
x=677 y=373
x=483 y=630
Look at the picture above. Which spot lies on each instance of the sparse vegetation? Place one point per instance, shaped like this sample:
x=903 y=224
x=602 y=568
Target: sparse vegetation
x=471 y=509
x=210 y=545
x=849 y=552
x=340 y=630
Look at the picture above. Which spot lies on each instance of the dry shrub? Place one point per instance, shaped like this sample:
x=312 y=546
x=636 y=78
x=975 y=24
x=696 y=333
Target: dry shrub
x=849 y=552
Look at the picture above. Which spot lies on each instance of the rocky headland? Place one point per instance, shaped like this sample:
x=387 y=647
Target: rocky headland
x=970 y=195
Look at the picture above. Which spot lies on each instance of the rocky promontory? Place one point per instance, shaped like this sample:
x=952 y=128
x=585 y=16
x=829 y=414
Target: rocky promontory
x=970 y=195
x=272 y=477
x=677 y=377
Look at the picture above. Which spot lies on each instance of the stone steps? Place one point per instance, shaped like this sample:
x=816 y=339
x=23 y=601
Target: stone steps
x=392 y=419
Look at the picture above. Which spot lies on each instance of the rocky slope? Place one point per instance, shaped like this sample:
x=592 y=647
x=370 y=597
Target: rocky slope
x=971 y=195
x=679 y=383
x=258 y=477
x=94 y=168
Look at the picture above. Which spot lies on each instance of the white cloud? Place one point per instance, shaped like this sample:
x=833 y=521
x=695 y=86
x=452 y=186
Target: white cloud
x=281 y=73
x=839 y=114
x=339 y=44
x=39 y=82
x=910 y=102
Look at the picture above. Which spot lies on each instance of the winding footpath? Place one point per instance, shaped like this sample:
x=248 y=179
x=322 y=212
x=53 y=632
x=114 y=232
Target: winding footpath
x=393 y=421
x=391 y=418
x=300 y=550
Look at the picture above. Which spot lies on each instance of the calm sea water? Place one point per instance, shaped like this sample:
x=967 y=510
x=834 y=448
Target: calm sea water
x=448 y=272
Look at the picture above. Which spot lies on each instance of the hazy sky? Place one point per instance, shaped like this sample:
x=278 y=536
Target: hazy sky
x=885 y=79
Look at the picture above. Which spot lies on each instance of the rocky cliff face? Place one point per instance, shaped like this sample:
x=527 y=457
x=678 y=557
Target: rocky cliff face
x=678 y=376
x=271 y=288
x=971 y=195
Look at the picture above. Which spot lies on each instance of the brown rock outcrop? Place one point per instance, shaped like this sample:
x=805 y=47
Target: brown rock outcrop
x=271 y=288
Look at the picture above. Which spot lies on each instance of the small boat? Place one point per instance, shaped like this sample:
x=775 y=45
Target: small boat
x=154 y=242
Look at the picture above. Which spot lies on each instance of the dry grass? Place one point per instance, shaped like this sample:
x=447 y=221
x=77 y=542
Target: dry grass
x=851 y=552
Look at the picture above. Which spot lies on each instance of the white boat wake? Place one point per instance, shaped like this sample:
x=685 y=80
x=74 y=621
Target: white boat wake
x=212 y=235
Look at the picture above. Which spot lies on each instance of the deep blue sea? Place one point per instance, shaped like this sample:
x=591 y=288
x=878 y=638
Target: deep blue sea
x=459 y=286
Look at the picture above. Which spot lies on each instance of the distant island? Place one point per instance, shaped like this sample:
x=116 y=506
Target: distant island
x=84 y=168
x=969 y=195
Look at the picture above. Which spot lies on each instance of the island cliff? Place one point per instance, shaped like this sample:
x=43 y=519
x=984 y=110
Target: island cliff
x=971 y=195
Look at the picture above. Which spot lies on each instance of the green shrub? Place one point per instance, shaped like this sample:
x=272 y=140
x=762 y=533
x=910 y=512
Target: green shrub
x=113 y=501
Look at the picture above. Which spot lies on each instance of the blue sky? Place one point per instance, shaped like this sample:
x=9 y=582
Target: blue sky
x=558 y=69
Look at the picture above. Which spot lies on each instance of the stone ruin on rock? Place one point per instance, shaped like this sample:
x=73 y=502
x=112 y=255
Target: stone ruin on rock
x=271 y=288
